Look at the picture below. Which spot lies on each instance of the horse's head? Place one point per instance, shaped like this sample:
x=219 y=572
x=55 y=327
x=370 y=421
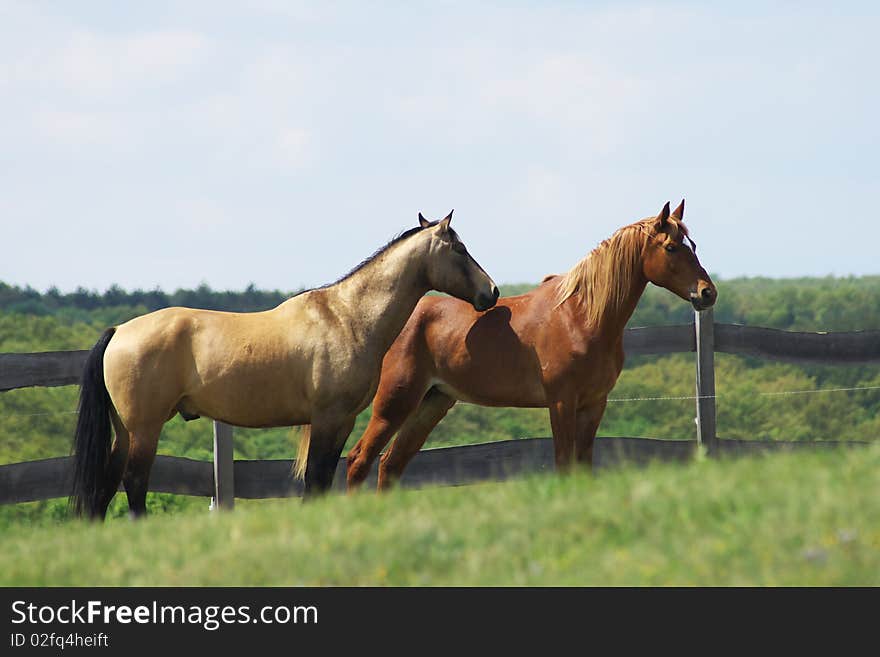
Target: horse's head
x=670 y=260
x=451 y=269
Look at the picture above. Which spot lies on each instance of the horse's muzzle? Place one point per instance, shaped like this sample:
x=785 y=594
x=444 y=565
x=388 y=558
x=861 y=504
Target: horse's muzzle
x=484 y=302
x=705 y=299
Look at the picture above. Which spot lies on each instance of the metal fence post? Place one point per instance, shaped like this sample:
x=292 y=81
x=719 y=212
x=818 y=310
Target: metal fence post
x=704 y=327
x=224 y=488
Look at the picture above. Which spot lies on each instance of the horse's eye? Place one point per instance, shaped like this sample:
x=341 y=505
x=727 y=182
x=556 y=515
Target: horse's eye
x=458 y=247
x=671 y=248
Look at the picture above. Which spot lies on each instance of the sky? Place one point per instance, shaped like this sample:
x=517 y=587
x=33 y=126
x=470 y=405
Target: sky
x=279 y=142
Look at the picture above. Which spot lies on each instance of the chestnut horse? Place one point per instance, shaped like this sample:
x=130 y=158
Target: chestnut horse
x=314 y=359
x=560 y=347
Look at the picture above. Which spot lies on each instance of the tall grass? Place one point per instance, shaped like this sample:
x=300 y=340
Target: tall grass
x=783 y=519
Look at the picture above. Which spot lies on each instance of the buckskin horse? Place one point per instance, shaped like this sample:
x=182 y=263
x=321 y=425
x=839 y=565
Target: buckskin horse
x=560 y=347
x=313 y=360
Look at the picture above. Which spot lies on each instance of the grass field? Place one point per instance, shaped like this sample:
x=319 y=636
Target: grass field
x=785 y=519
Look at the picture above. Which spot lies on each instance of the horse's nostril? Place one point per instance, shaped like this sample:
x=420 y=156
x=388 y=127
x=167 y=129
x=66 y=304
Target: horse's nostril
x=707 y=293
x=495 y=292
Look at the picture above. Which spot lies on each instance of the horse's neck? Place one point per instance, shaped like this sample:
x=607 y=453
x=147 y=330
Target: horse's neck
x=614 y=316
x=380 y=297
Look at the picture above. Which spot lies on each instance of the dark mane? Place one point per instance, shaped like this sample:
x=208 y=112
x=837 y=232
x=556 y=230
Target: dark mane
x=395 y=240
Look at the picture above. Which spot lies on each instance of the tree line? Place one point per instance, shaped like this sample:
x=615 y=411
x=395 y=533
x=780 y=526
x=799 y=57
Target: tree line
x=806 y=304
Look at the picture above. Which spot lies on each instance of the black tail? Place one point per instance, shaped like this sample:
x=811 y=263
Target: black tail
x=91 y=444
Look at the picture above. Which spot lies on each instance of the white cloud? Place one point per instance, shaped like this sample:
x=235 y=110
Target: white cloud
x=202 y=216
x=578 y=95
x=95 y=67
x=74 y=129
x=91 y=62
x=544 y=190
x=293 y=146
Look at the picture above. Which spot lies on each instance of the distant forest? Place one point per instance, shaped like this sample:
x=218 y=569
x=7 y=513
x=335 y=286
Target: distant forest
x=809 y=304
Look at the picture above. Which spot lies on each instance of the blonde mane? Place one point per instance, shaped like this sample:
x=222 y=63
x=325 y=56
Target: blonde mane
x=604 y=277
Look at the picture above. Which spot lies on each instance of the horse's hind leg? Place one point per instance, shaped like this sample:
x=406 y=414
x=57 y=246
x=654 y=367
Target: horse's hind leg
x=142 y=452
x=405 y=378
x=412 y=436
x=118 y=461
x=390 y=411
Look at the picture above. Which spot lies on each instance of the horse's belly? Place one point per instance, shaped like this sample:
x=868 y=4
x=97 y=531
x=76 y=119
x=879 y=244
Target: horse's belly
x=248 y=415
x=249 y=402
x=503 y=392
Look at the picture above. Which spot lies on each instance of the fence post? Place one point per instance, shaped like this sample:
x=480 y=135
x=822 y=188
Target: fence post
x=224 y=490
x=704 y=326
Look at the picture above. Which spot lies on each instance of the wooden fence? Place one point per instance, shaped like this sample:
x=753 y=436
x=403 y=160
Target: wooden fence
x=226 y=479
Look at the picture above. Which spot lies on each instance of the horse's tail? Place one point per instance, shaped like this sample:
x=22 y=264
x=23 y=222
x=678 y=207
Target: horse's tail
x=91 y=443
x=302 y=453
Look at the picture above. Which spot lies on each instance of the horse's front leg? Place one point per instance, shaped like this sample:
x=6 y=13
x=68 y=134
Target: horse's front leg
x=328 y=436
x=588 y=419
x=563 y=422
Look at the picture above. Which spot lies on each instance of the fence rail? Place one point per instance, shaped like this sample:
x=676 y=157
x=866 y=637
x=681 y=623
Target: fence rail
x=445 y=466
x=61 y=368
x=225 y=479
x=46 y=369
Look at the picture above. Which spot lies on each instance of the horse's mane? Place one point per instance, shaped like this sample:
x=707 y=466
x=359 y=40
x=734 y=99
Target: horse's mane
x=366 y=261
x=392 y=242
x=604 y=277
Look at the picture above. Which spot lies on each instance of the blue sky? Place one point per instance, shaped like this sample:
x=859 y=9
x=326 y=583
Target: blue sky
x=280 y=142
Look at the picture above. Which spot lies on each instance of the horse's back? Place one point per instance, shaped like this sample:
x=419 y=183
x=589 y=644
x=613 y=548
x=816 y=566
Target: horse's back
x=513 y=320
x=171 y=331
x=217 y=364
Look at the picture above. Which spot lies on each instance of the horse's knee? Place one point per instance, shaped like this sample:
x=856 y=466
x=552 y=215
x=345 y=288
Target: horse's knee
x=357 y=471
x=354 y=452
x=361 y=458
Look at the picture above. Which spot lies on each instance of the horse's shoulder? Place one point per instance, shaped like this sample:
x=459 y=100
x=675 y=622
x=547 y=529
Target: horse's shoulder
x=431 y=306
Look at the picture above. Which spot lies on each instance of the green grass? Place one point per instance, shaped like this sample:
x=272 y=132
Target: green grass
x=785 y=519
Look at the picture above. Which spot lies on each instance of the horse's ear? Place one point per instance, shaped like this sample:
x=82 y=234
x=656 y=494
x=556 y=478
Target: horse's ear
x=444 y=223
x=424 y=223
x=662 y=218
x=678 y=213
